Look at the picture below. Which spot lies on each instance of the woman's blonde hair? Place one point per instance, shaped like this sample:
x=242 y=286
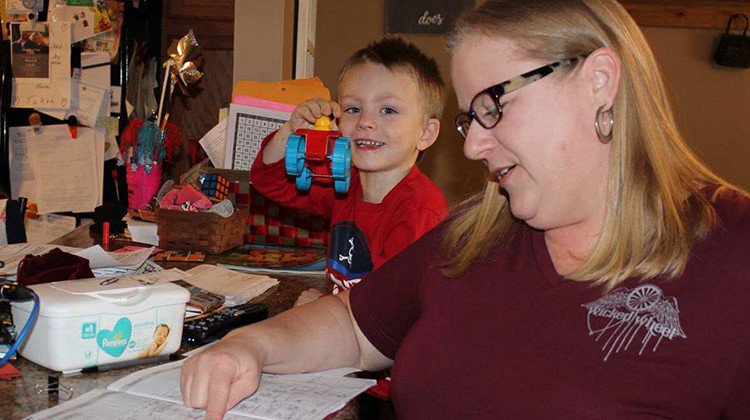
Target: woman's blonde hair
x=649 y=227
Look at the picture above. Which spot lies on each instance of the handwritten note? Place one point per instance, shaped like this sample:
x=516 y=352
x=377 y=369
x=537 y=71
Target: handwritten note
x=55 y=171
x=55 y=93
x=65 y=173
x=87 y=103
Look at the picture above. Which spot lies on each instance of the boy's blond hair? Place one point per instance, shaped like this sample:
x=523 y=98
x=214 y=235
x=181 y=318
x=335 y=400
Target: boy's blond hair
x=394 y=53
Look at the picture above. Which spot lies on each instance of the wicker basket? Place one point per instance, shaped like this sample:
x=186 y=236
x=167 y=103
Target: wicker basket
x=201 y=231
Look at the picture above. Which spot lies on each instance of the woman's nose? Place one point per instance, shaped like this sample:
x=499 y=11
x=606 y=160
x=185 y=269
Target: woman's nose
x=478 y=142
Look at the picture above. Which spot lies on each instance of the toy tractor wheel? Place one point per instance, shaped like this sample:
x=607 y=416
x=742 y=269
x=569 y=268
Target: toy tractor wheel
x=294 y=160
x=341 y=186
x=341 y=164
x=304 y=180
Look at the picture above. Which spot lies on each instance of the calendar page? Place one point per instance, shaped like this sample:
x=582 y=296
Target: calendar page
x=248 y=126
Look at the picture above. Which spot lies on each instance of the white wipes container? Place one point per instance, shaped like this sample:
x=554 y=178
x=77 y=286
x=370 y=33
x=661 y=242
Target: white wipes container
x=93 y=322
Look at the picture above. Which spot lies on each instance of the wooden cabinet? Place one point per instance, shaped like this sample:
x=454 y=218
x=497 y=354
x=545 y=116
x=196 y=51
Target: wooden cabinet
x=685 y=13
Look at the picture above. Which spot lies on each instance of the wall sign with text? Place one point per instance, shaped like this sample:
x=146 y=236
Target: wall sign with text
x=423 y=16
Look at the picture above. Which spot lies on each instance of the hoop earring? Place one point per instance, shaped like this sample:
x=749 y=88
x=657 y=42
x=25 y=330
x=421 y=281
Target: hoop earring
x=604 y=138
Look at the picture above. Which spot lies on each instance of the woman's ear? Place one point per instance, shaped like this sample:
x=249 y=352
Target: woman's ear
x=429 y=134
x=603 y=68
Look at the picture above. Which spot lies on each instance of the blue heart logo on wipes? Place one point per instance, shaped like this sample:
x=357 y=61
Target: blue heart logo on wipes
x=114 y=342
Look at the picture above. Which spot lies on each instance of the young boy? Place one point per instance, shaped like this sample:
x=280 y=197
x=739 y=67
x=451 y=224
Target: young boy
x=390 y=100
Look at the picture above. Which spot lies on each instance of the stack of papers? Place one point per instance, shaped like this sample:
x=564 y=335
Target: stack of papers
x=155 y=393
x=237 y=288
x=105 y=263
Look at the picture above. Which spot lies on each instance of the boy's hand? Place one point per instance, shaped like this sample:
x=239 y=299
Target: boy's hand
x=304 y=116
x=307 y=112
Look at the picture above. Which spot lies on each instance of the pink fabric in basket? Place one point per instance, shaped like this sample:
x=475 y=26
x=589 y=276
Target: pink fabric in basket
x=174 y=199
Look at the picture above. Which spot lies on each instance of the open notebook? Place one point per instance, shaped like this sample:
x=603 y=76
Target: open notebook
x=155 y=394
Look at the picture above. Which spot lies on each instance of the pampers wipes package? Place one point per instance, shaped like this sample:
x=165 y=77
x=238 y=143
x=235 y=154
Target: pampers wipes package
x=93 y=322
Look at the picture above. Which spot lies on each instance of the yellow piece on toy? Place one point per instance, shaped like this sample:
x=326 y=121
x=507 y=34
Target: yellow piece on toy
x=323 y=124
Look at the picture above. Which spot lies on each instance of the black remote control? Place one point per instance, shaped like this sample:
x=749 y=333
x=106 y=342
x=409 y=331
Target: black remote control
x=218 y=324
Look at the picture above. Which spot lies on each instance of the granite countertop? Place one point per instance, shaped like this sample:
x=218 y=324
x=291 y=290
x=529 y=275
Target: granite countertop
x=20 y=397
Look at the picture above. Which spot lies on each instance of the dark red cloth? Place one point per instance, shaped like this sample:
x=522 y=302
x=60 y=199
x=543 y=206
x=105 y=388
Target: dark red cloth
x=55 y=265
x=513 y=339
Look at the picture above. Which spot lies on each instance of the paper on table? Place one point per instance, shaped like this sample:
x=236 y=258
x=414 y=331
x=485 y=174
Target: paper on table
x=143 y=232
x=99 y=258
x=66 y=171
x=159 y=277
x=56 y=92
x=215 y=143
x=112 y=405
x=155 y=393
x=237 y=288
x=294 y=397
x=48 y=227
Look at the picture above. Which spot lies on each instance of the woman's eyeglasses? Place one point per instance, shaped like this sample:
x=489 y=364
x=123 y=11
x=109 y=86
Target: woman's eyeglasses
x=485 y=107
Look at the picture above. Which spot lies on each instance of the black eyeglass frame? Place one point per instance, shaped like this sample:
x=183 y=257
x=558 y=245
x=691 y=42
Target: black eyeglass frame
x=463 y=120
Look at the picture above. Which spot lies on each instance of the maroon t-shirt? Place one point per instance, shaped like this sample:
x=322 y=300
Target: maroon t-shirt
x=512 y=339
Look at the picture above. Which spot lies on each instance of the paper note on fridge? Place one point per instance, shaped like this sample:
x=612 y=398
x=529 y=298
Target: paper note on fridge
x=53 y=91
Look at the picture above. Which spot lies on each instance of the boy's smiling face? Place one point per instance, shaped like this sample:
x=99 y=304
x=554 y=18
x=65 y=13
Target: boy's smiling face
x=383 y=115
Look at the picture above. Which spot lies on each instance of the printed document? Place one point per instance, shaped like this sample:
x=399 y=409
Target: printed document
x=155 y=393
x=237 y=288
x=57 y=172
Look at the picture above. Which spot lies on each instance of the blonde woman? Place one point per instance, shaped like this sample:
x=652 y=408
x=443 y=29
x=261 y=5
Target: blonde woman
x=601 y=274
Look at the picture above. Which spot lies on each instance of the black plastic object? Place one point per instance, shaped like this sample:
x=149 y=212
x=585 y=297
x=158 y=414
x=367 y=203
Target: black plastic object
x=734 y=49
x=218 y=324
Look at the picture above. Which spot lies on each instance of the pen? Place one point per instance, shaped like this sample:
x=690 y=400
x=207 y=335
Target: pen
x=131 y=363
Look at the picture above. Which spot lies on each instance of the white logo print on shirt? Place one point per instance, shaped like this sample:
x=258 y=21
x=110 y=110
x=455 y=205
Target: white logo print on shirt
x=348 y=258
x=621 y=315
x=342 y=284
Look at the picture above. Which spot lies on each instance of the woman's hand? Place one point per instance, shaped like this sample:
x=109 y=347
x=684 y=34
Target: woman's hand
x=221 y=376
